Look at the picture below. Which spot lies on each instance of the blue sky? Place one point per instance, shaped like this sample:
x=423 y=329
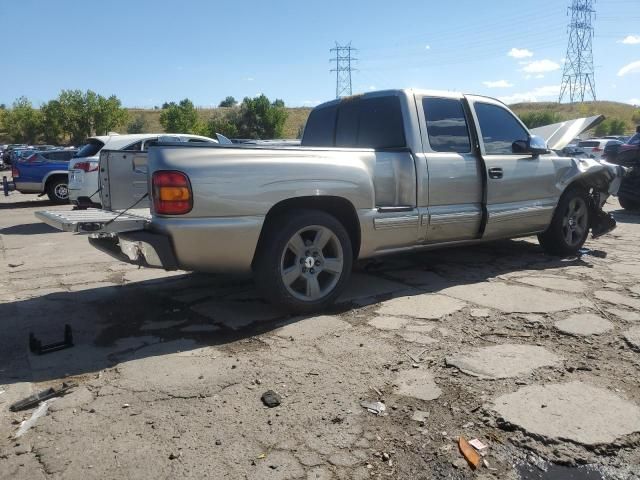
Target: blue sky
x=147 y=52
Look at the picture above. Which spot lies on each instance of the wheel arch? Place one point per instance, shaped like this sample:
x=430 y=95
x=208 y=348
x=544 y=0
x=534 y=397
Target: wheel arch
x=53 y=176
x=339 y=207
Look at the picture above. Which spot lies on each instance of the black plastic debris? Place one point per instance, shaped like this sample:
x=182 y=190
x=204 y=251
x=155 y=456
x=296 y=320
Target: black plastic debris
x=33 y=400
x=36 y=346
x=271 y=399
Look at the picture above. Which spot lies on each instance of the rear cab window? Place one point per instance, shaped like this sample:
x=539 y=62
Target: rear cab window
x=499 y=129
x=447 y=126
x=89 y=149
x=358 y=122
x=589 y=144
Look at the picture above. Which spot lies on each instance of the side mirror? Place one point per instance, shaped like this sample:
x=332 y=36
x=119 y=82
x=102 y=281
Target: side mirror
x=534 y=146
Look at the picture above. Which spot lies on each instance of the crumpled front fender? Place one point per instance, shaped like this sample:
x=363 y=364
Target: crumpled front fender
x=600 y=175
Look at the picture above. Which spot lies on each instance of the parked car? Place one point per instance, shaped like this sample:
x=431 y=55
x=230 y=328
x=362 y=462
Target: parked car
x=6 y=156
x=629 y=156
x=595 y=146
x=44 y=172
x=83 y=168
x=573 y=151
x=611 y=150
x=376 y=174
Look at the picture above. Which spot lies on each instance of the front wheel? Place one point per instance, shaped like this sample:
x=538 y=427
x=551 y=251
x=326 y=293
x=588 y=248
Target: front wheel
x=58 y=191
x=304 y=261
x=569 y=226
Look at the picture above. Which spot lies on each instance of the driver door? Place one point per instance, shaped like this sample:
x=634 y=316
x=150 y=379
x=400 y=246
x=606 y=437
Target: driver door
x=521 y=191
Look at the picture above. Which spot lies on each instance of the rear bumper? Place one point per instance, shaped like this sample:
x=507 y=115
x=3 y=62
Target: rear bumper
x=141 y=248
x=28 y=187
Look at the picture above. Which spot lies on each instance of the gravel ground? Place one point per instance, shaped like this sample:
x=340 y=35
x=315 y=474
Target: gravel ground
x=537 y=357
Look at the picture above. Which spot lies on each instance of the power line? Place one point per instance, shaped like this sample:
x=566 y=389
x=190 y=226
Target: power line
x=578 y=75
x=344 y=66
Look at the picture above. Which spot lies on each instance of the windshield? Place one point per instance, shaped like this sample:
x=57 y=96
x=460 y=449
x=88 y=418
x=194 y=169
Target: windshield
x=89 y=149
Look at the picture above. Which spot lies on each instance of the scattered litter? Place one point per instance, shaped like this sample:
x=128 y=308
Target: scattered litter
x=271 y=399
x=16 y=265
x=174 y=456
x=261 y=456
x=27 y=424
x=486 y=464
x=36 y=346
x=1 y=392
x=33 y=400
x=478 y=445
x=376 y=408
x=593 y=253
x=413 y=359
x=415 y=365
x=471 y=456
x=377 y=391
x=125 y=405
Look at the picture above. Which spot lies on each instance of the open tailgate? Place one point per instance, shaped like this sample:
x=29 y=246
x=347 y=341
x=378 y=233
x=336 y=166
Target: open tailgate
x=94 y=220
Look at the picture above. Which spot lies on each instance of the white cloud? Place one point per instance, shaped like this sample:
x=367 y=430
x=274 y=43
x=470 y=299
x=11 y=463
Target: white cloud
x=520 y=53
x=427 y=47
x=534 y=95
x=633 y=67
x=540 y=76
x=630 y=40
x=634 y=101
x=249 y=79
x=372 y=87
x=541 y=66
x=498 y=84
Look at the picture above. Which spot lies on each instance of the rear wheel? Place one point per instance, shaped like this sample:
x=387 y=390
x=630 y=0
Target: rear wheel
x=570 y=224
x=628 y=204
x=304 y=261
x=58 y=190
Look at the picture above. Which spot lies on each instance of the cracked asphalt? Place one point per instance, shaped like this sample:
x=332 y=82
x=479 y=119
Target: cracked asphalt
x=538 y=357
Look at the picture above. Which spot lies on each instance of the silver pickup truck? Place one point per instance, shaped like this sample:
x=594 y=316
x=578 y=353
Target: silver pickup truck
x=375 y=174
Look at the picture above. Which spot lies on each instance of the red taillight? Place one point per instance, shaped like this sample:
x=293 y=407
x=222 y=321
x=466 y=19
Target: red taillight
x=171 y=193
x=14 y=172
x=596 y=149
x=86 y=166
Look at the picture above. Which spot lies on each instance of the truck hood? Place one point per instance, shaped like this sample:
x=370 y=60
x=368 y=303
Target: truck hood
x=559 y=135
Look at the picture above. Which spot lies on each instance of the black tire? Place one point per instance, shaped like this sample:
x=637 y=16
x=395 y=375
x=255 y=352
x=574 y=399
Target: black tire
x=317 y=274
x=567 y=233
x=58 y=190
x=628 y=204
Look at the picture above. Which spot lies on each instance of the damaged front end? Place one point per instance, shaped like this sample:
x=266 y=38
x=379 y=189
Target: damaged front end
x=601 y=180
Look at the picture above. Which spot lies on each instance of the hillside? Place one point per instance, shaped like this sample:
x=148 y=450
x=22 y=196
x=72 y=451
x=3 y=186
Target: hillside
x=567 y=111
x=298 y=116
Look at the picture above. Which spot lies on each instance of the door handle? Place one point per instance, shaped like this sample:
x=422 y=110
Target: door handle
x=495 y=173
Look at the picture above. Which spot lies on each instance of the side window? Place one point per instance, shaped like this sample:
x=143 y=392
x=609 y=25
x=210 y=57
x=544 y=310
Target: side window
x=446 y=125
x=499 y=129
x=135 y=146
x=320 y=128
x=196 y=140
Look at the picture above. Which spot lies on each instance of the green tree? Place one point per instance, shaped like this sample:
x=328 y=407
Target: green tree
x=259 y=119
x=603 y=128
x=180 y=118
x=636 y=116
x=108 y=114
x=539 y=119
x=138 y=125
x=278 y=103
x=617 y=127
x=228 y=102
x=52 y=121
x=23 y=122
x=221 y=124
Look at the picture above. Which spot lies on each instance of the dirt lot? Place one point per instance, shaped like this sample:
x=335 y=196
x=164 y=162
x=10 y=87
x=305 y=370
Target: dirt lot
x=535 y=356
